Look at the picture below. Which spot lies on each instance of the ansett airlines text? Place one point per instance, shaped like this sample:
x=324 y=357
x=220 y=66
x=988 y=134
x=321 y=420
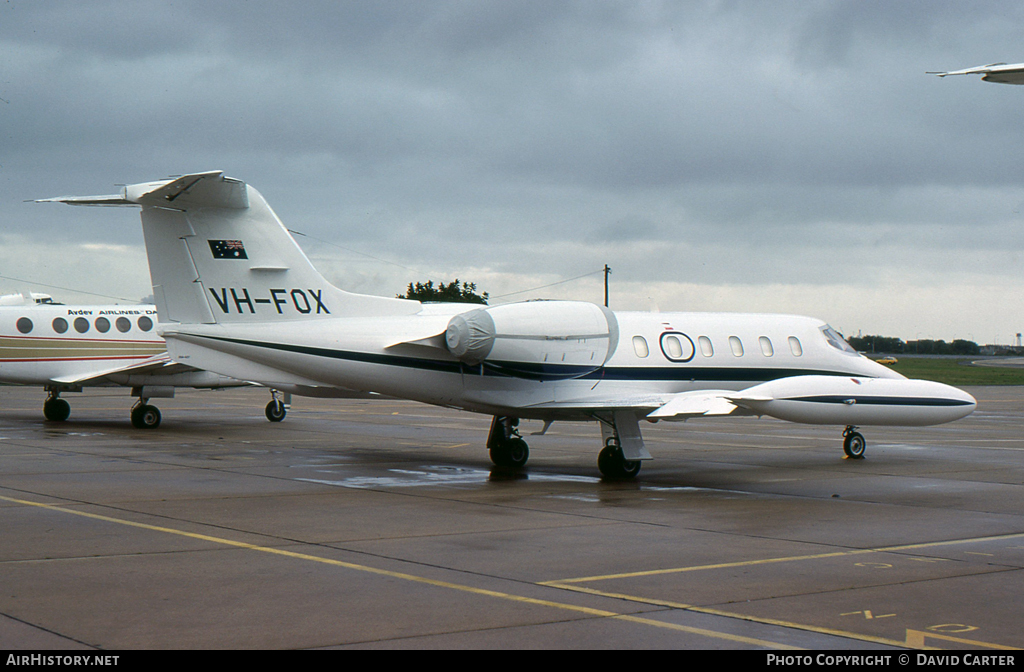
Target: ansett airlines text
x=304 y=301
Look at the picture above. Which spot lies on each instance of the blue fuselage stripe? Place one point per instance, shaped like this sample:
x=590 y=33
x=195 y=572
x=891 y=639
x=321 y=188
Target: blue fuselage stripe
x=881 y=401
x=547 y=372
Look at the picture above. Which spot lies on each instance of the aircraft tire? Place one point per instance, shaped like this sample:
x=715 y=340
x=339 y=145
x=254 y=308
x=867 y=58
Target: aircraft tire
x=145 y=416
x=613 y=464
x=276 y=410
x=512 y=453
x=854 y=446
x=56 y=410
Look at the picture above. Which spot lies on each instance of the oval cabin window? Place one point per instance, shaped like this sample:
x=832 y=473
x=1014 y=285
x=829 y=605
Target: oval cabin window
x=795 y=347
x=706 y=348
x=737 y=345
x=766 y=346
x=640 y=346
x=677 y=347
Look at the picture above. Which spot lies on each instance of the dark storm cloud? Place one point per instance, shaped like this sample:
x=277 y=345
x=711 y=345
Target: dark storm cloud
x=767 y=141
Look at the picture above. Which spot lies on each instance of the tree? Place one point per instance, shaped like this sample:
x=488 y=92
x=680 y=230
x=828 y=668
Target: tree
x=450 y=293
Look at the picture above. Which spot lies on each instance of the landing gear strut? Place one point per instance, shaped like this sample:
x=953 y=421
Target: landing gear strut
x=506 y=447
x=145 y=416
x=56 y=409
x=853 y=443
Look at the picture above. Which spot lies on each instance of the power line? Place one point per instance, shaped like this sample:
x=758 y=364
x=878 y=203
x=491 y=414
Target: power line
x=560 y=282
x=67 y=289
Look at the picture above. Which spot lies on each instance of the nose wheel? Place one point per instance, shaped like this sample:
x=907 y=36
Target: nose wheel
x=853 y=443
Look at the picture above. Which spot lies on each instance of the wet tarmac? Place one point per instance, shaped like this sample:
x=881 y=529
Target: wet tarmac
x=382 y=524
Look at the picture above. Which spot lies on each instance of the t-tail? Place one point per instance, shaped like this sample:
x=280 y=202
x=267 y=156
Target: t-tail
x=219 y=254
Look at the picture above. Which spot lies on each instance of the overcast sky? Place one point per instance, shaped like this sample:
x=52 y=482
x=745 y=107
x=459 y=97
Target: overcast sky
x=738 y=156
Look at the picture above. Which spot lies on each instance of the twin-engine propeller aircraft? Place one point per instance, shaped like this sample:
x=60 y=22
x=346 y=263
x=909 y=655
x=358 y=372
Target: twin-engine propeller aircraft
x=236 y=295
x=65 y=348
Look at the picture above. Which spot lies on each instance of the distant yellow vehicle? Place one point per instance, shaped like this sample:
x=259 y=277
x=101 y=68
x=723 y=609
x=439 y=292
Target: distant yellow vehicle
x=886 y=360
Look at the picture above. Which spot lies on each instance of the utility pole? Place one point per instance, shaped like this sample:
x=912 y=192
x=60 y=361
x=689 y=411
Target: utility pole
x=607 y=272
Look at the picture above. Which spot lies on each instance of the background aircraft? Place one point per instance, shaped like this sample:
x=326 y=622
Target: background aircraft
x=236 y=295
x=1000 y=73
x=65 y=348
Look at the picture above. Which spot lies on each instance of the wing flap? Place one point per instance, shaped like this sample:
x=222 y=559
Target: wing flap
x=149 y=365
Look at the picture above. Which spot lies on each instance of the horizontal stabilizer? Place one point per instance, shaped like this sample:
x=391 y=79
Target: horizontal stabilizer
x=204 y=190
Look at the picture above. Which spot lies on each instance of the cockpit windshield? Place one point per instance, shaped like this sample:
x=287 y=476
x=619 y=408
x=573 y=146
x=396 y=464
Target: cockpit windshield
x=836 y=341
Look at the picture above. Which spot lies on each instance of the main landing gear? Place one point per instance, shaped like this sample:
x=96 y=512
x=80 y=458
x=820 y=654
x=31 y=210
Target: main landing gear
x=145 y=416
x=619 y=459
x=56 y=409
x=614 y=465
x=853 y=443
x=506 y=447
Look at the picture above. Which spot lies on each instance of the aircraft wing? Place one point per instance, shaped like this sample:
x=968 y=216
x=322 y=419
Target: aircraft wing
x=157 y=364
x=1000 y=73
x=157 y=370
x=811 y=399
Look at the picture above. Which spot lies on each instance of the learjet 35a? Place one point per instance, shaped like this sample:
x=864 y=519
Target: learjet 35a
x=236 y=295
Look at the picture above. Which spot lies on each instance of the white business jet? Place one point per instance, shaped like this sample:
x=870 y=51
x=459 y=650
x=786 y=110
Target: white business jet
x=1000 y=73
x=66 y=348
x=236 y=295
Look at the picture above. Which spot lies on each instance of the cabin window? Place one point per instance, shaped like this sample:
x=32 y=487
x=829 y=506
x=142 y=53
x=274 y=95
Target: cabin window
x=81 y=325
x=60 y=325
x=677 y=347
x=737 y=345
x=766 y=346
x=673 y=348
x=640 y=346
x=102 y=325
x=24 y=325
x=795 y=347
x=123 y=324
x=145 y=323
x=706 y=348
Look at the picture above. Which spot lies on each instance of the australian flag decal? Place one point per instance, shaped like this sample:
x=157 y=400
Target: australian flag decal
x=227 y=249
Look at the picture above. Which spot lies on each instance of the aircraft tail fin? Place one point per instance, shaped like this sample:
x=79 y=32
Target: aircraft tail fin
x=218 y=253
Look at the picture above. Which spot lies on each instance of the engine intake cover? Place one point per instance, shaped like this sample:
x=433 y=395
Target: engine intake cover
x=541 y=334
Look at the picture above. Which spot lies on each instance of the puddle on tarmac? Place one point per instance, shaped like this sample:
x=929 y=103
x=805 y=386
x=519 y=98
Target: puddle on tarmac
x=442 y=475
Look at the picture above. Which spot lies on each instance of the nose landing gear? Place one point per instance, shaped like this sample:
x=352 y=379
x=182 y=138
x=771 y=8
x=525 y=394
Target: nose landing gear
x=853 y=443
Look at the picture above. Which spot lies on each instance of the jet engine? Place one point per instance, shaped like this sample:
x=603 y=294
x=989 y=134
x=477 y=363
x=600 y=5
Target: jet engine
x=550 y=338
